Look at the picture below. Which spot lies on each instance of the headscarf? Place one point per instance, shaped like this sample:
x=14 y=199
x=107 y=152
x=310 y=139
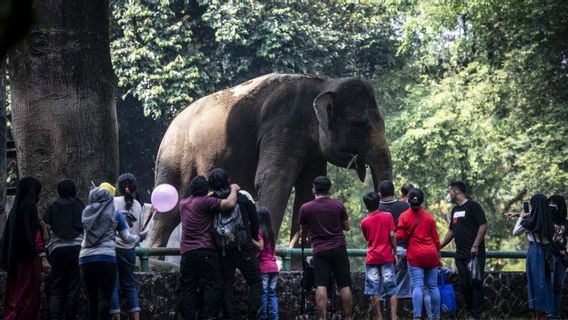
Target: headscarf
x=18 y=241
x=98 y=217
x=539 y=221
x=558 y=216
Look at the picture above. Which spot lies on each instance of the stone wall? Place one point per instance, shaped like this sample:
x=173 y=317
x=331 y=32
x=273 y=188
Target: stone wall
x=506 y=295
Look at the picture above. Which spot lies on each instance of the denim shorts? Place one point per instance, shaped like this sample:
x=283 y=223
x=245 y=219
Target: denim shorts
x=380 y=280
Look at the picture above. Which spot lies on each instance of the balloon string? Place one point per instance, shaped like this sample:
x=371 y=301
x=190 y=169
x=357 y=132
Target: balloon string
x=152 y=210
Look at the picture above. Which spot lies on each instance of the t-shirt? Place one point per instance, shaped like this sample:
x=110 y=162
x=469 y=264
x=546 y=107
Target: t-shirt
x=324 y=218
x=197 y=222
x=423 y=240
x=465 y=221
x=136 y=212
x=376 y=228
x=394 y=207
x=267 y=258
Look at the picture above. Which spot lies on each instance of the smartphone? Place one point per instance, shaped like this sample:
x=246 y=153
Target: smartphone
x=526 y=207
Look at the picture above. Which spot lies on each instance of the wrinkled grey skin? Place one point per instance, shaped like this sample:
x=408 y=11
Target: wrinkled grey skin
x=272 y=134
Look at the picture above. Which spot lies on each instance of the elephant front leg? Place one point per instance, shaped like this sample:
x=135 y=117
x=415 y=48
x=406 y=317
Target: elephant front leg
x=303 y=189
x=274 y=182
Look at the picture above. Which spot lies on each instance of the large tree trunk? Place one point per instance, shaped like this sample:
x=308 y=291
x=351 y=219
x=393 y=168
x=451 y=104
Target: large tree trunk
x=3 y=122
x=62 y=90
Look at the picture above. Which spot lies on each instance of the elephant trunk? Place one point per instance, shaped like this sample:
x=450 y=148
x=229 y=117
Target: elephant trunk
x=380 y=163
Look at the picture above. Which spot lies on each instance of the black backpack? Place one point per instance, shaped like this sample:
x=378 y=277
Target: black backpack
x=229 y=230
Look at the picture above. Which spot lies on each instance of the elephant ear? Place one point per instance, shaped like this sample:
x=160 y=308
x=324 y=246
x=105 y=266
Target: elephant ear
x=323 y=106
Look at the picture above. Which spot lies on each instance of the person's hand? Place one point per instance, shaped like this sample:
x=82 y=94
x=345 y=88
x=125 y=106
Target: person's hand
x=474 y=250
x=511 y=215
x=45 y=266
x=235 y=187
x=523 y=214
x=562 y=252
x=395 y=259
x=144 y=233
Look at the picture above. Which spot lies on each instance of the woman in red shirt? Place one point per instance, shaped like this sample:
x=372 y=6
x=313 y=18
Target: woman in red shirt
x=418 y=229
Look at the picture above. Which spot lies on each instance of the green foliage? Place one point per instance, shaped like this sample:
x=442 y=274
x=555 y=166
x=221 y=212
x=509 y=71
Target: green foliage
x=168 y=53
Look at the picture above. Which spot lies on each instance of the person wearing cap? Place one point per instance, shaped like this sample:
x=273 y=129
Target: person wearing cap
x=97 y=258
x=109 y=187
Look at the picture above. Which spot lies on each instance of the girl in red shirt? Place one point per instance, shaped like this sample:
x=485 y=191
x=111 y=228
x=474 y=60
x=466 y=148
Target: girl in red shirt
x=418 y=229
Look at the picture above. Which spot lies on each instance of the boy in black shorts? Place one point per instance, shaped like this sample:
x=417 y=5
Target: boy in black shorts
x=325 y=219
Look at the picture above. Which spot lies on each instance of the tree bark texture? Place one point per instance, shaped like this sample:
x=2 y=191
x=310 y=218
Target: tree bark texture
x=62 y=90
x=3 y=160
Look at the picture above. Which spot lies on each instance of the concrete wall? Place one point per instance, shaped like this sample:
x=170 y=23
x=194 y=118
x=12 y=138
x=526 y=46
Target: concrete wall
x=506 y=295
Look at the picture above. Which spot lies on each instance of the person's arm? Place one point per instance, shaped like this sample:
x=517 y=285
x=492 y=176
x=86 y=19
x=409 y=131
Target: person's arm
x=447 y=238
x=364 y=231
x=479 y=217
x=345 y=219
x=401 y=228
x=346 y=225
x=124 y=233
x=435 y=236
x=40 y=250
x=253 y=220
x=231 y=201
x=519 y=229
x=392 y=236
x=47 y=216
x=77 y=214
x=478 y=239
x=294 y=239
x=259 y=245
x=303 y=233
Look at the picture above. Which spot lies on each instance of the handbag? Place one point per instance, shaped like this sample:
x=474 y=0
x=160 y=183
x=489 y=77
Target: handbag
x=447 y=295
x=474 y=269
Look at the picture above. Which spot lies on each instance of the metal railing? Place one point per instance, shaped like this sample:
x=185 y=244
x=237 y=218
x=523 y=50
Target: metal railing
x=288 y=253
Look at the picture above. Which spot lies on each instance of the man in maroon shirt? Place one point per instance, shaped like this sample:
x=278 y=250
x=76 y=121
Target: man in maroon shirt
x=199 y=266
x=325 y=219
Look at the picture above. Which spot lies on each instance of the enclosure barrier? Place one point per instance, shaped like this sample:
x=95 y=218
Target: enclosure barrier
x=288 y=253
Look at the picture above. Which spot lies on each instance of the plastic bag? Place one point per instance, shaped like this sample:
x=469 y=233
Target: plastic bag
x=474 y=269
x=447 y=295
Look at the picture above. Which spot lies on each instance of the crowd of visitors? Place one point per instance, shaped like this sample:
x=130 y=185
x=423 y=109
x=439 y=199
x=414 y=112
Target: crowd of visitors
x=222 y=230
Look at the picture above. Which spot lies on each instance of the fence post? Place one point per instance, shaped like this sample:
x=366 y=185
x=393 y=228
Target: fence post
x=144 y=254
x=287 y=260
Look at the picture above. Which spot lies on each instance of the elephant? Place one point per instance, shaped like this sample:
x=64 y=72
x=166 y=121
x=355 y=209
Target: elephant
x=272 y=134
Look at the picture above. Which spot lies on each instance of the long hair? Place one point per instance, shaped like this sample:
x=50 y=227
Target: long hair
x=127 y=187
x=265 y=226
x=23 y=223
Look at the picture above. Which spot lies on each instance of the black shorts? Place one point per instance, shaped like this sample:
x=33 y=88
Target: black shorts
x=333 y=260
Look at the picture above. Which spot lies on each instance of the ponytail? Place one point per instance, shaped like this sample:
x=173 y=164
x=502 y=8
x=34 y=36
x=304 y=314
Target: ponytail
x=127 y=186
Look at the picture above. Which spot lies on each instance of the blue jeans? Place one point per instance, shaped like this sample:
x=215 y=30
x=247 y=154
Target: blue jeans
x=425 y=279
x=557 y=282
x=269 y=301
x=125 y=261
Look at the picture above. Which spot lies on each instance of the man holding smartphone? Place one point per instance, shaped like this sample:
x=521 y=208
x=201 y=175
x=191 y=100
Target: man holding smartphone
x=468 y=226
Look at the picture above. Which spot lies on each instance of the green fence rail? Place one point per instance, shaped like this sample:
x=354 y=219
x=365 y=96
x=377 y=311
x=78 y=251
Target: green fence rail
x=288 y=253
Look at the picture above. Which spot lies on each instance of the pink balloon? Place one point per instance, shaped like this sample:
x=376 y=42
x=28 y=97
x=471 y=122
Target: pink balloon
x=164 y=197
